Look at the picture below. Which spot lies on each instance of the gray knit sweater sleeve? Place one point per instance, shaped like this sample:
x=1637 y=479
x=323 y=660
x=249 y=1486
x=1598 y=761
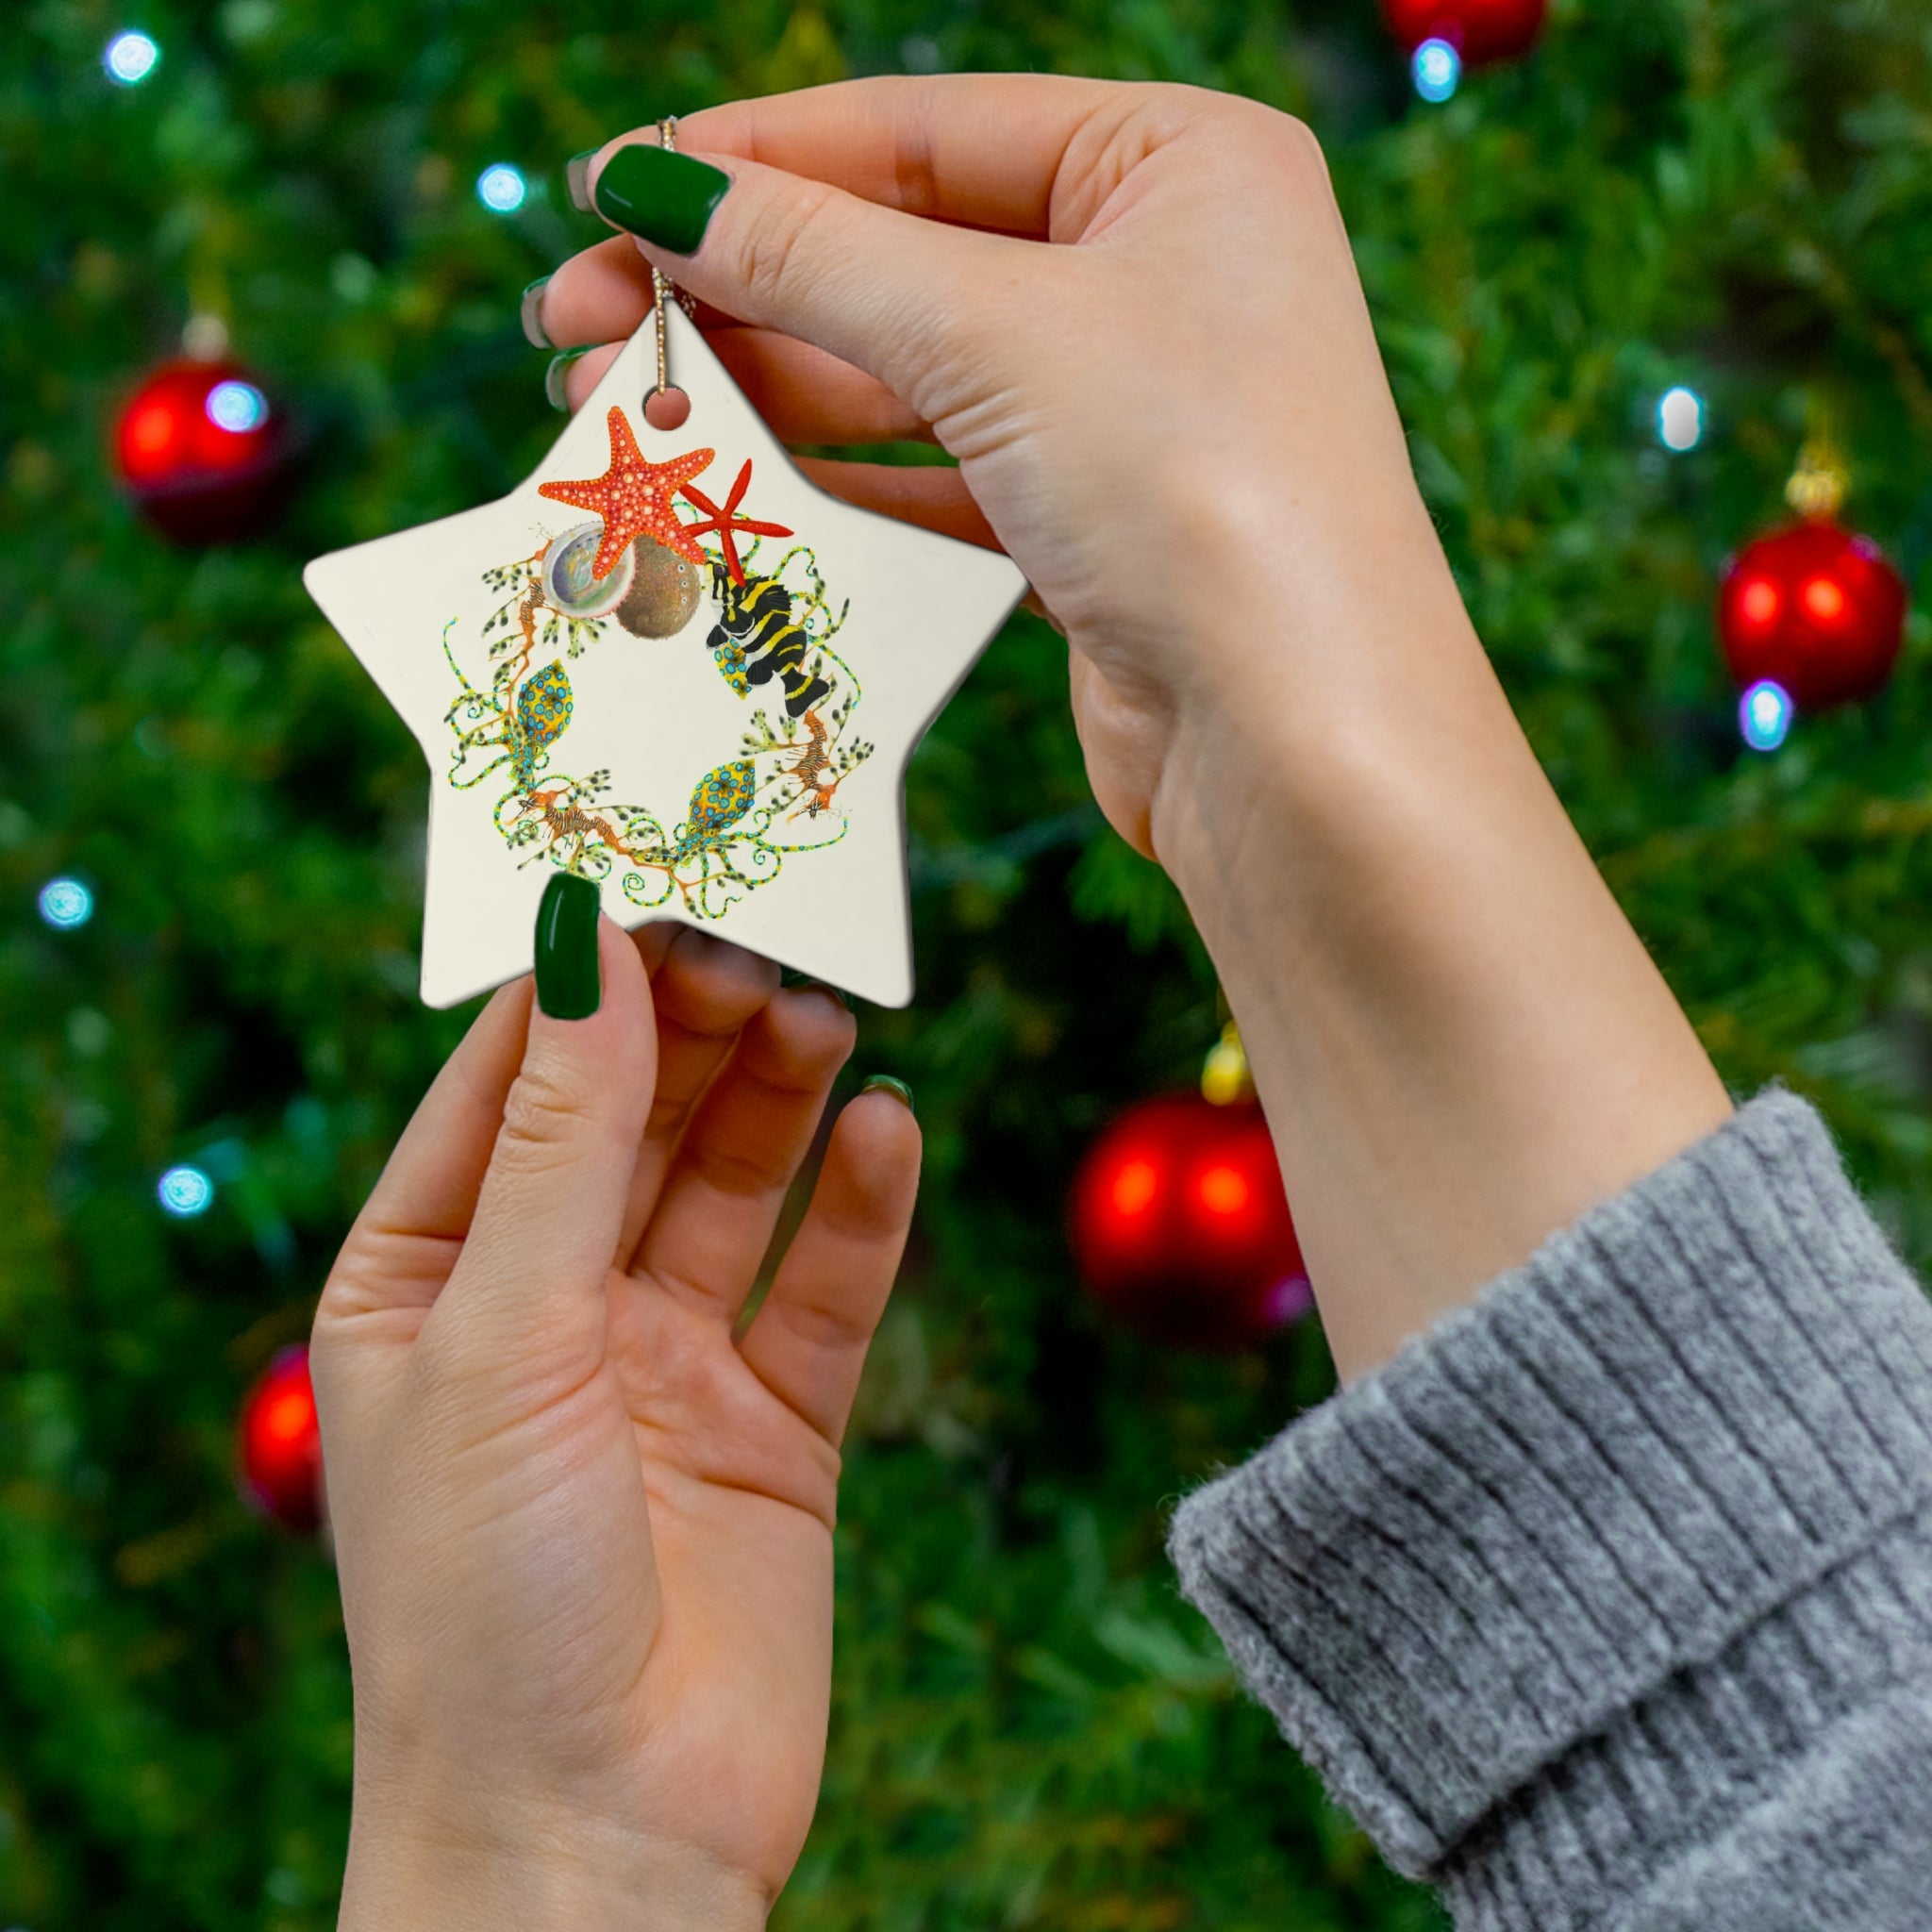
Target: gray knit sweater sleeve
x=1607 y=1604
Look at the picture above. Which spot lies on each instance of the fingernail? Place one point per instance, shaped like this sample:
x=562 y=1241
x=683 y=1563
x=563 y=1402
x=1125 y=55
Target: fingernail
x=569 y=985
x=896 y=1088
x=666 y=197
x=576 y=178
x=532 y=312
x=808 y=985
x=553 y=377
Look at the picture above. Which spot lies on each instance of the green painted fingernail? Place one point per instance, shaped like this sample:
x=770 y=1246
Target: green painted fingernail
x=531 y=311
x=569 y=985
x=666 y=197
x=892 y=1086
x=576 y=178
x=553 y=377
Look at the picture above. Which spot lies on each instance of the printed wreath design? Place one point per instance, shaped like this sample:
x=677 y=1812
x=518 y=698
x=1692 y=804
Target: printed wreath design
x=642 y=564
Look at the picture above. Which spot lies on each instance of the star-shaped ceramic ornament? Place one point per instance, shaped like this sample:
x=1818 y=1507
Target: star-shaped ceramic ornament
x=670 y=663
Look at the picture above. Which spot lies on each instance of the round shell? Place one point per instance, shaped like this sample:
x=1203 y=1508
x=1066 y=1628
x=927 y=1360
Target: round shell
x=568 y=585
x=664 y=591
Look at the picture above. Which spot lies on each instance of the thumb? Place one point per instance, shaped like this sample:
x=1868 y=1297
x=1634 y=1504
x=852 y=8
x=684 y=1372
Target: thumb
x=527 y=1292
x=890 y=292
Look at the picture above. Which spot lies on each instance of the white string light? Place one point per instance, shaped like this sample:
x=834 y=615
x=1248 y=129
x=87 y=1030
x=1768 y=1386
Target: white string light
x=1680 y=418
x=130 y=57
x=502 y=187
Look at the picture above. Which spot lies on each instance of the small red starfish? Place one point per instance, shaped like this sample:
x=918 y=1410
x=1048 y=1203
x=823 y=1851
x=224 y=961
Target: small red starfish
x=725 y=522
x=634 y=498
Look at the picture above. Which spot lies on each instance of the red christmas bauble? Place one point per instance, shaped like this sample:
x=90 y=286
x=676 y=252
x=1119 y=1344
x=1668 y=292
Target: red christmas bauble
x=1181 y=1227
x=204 y=453
x=281 y=1443
x=1815 y=608
x=1479 y=30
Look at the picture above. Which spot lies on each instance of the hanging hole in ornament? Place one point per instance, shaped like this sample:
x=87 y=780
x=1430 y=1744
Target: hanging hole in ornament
x=667 y=408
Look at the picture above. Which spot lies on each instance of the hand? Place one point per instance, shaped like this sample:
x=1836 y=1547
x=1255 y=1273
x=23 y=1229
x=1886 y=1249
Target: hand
x=585 y=1539
x=1178 y=410
x=1176 y=420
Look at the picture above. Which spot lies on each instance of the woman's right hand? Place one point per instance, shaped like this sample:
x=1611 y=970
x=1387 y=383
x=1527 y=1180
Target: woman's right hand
x=1176 y=420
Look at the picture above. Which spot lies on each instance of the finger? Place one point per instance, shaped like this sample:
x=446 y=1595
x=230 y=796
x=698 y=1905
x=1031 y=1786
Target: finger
x=934 y=496
x=705 y=992
x=808 y=1340
x=880 y=289
x=807 y=395
x=603 y=297
x=726 y=1185
x=984 y=149
x=568 y=383
x=1032 y=602
x=803 y=395
x=403 y=1243
x=599 y=298
x=400 y=1251
x=653 y=940
x=602 y=294
x=527 y=1292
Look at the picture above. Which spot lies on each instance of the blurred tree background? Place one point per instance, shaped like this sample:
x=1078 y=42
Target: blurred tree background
x=1030 y=1727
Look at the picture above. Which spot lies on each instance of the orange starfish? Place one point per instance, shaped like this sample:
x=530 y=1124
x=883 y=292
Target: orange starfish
x=725 y=522
x=634 y=498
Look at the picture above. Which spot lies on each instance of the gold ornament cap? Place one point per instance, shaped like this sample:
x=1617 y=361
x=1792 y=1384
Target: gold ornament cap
x=1225 y=1076
x=1818 y=485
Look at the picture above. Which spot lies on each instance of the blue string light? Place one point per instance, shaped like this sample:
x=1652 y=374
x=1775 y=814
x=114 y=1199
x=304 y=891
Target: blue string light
x=236 y=406
x=1437 y=70
x=185 y=1191
x=1764 y=715
x=66 y=904
x=501 y=188
x=130 y=59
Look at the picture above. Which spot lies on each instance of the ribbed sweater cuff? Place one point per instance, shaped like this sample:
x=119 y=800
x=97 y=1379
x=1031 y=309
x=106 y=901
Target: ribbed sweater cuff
x=1679 y=1415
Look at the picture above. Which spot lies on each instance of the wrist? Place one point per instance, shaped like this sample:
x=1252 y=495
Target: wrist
x=1319 y=692
x=1459 y=1040
x=531 y=1874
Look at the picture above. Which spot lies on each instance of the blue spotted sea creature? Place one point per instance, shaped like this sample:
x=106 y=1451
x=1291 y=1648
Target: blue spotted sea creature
x=543 y=709
x=722 y=798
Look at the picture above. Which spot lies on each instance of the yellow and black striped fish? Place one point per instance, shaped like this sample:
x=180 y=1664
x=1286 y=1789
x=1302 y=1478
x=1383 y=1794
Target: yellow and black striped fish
x=756 y=639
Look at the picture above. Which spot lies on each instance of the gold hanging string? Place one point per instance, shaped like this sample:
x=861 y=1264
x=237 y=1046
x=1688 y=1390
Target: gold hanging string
x=204 y=337
x=662 y=288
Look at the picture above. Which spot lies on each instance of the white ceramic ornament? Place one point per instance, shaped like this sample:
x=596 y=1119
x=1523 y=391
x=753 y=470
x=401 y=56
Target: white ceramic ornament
x=623 y=670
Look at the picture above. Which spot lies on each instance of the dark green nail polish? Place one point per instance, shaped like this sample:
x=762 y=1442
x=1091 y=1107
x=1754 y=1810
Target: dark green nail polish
x=897 y=1088
x=569 y=985
x=531 y=313
x=576 y=178
x=667 y=198
x=553 y=377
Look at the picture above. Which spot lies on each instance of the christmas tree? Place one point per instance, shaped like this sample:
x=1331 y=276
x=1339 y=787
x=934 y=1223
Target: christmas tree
x=212 y=828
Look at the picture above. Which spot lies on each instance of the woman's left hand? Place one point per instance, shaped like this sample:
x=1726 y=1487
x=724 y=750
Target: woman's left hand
x=584 y=1534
